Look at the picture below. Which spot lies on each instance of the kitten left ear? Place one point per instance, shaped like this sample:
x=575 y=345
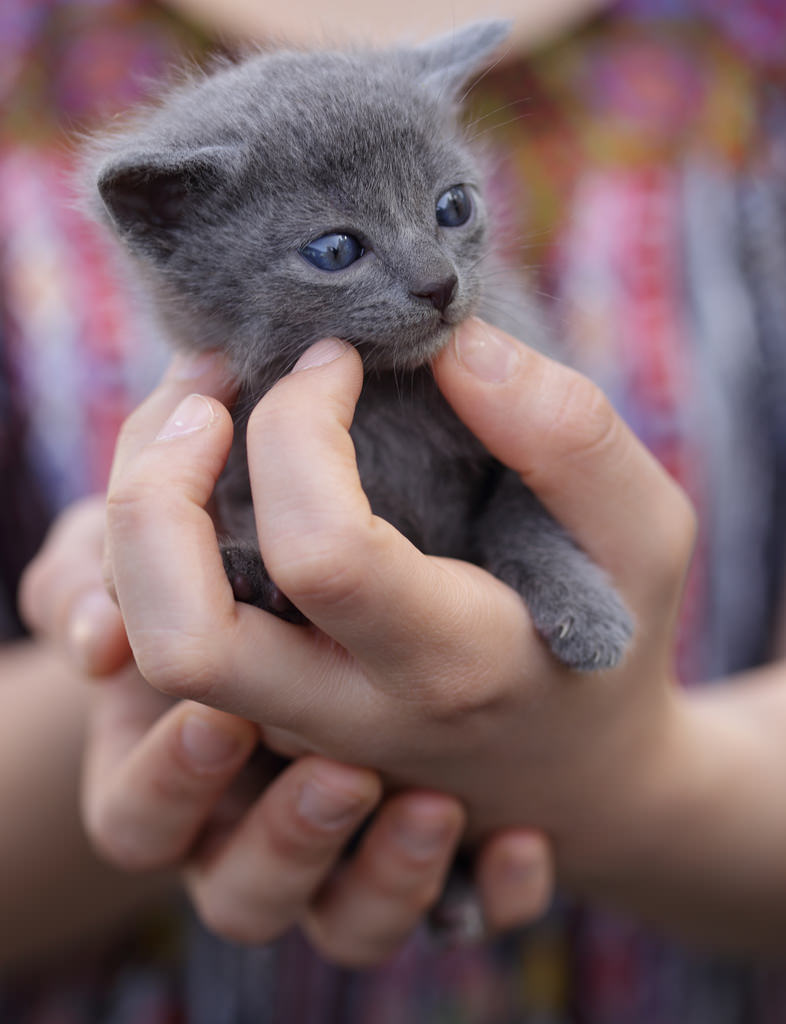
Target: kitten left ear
x=150 y=194
x=446 y=63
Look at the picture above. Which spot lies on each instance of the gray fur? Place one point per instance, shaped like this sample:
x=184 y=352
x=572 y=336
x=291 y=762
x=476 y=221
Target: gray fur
x=213 y=193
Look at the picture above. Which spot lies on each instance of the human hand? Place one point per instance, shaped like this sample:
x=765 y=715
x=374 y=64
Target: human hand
x=165 y=786
x=425 y=669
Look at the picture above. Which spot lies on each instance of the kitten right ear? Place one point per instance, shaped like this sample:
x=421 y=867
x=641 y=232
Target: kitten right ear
x=445 y=64
x=150 y=195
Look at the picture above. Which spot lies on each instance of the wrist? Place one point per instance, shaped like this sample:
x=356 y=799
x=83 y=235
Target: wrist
x=635 y=793
x=694 y=840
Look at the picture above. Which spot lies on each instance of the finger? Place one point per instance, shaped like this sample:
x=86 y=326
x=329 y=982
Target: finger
x=188 y=635
x=207 y=374
x=152 y=779
x=257 y=884
x=366 y=912
x=558 y=431
x=348 y=571
x=360 y=580
x=156 y=519
x=62 y=594
x=515 y=877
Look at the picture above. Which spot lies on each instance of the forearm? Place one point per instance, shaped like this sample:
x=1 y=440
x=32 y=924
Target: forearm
x=695 y=837
x=53 y=889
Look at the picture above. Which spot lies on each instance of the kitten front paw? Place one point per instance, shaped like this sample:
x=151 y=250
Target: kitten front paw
x=586 y=635
x=250 y=581
x=583 y=621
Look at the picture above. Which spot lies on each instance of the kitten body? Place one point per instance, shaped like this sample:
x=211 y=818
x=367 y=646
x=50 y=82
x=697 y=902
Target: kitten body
x=227 y=192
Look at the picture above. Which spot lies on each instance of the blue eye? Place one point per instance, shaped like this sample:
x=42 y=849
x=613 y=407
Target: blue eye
x=333 y=252
x=454 y=207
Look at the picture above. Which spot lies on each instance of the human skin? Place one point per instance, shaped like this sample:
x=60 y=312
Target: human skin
x=61 y=900
x=437 y=650
x=164 y=785
x=661 y=802
x=304 y=21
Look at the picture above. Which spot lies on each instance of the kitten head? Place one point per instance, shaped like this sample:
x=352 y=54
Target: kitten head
x=297 y=196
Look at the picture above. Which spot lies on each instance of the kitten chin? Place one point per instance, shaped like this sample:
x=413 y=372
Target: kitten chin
x=416 y=353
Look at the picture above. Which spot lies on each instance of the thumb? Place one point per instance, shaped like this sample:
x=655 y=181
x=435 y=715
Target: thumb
x=556 y=429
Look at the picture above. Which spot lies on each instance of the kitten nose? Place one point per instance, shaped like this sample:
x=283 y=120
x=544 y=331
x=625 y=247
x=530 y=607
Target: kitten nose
x=439 y=293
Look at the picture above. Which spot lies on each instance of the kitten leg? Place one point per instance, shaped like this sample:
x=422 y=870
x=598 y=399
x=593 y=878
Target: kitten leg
x=571 y=601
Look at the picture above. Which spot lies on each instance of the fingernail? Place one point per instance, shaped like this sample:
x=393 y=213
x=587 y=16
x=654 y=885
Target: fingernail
x=205 y=745
x=92 y=617
x=328 y=806
x=519 y=870
x=424 y=839
x=193 y=413
x=189 y=365
x=488 y=354
x=524 y=858
x=523 y=891
x=323 y=352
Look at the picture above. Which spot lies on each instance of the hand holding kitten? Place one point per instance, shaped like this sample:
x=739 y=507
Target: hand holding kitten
x=165 y=785
x=425 y=669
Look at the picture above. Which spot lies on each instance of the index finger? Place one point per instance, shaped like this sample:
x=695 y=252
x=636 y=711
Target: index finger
x=206 y=374
x=350 y=571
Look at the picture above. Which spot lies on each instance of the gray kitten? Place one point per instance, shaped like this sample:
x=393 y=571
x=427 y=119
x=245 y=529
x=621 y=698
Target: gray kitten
x=296 y=196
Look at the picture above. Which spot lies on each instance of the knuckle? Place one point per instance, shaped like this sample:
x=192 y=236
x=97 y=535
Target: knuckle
x=467 y=705
x=178 y=664
x=134 y=499
x=582 y=419
x=132 y=506
x=323 y=568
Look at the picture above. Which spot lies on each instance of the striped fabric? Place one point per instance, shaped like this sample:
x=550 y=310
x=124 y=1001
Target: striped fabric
x=76 y=355
x=640 y=175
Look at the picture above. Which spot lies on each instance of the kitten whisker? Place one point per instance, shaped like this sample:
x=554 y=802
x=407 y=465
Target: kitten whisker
x=477 y=79
x=491 y=113
x=472 y=139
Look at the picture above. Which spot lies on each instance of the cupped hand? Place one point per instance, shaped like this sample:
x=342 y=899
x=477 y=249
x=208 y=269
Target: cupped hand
x=426 y=670
x=169 y=785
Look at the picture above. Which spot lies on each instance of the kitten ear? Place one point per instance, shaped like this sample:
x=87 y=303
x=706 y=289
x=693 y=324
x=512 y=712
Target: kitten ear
x=150 y=195
x=446 y=63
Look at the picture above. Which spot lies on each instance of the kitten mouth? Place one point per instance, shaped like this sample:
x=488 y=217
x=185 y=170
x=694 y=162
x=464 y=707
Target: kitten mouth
x=416 y=348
